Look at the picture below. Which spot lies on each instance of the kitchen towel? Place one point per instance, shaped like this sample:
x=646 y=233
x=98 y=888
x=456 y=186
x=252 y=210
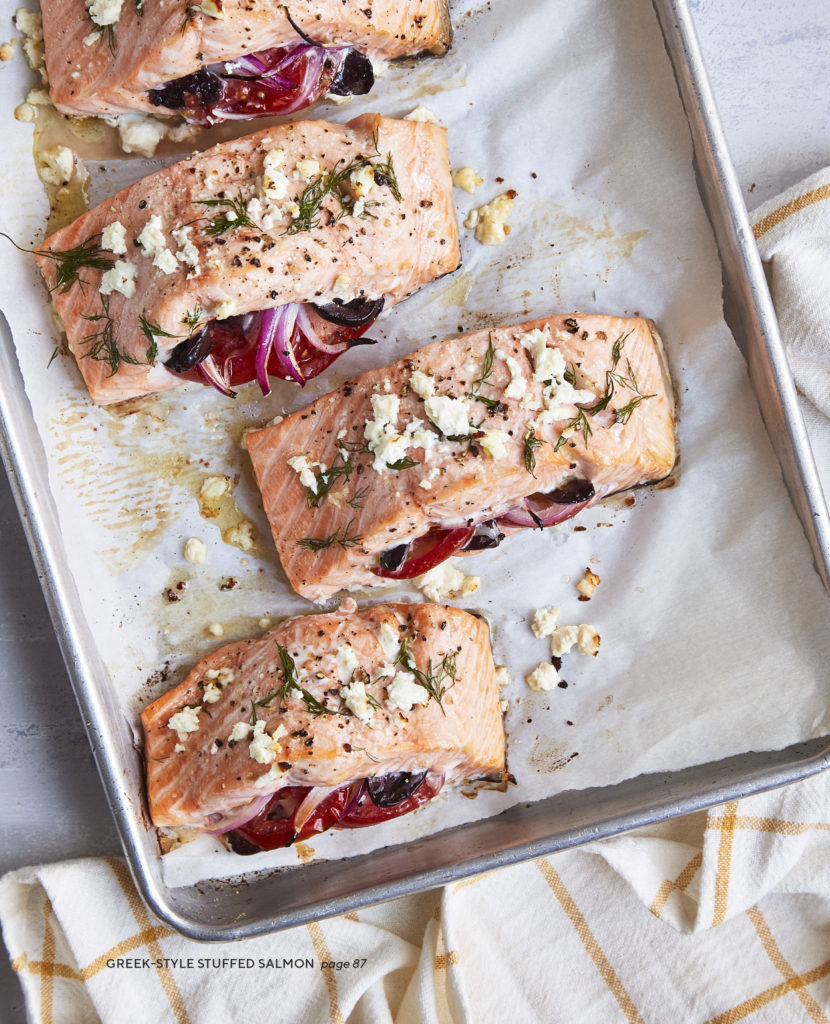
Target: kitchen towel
x=716 y=917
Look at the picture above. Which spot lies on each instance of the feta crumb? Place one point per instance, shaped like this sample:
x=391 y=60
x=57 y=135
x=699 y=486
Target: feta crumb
x=502 y=676
x=240 y=731
x=224 y=310
x=588 y=584
x=490 y=221
x=494 y=443
x=389 y=639
x=446 y=581
x=274 y=181
x=265 y=746
x=139 y=133
x=543 y=677
x=422 y=384
x=104 y=12
x=188 y=252
x=272 y=776
x=56 y=166
x=216 y=629
x=211 y=693
x=347 y=662
x=466 y=178
x=504 y=705
x=562 y=640
x=184 y=722
x=25 y=113
x=179 y=748
x=195 y=550
x=119 y=278
x=166 y=262
x=385 y=443
x=264 y=622
x=450 y=415
x=152 y=239
x=114 y=238
x=342 y=283
x=225 y=676
x=587 y=640
x=362 y=181
x=7 y=50
x=242 y=535
x=423 y=114
x=518 y=383
x=544 y=621
x=308 y=169
x=357 y=701
x=429 y=477
x=405 y=692
x=302 y=465
x=214 y=487
x=30 y=26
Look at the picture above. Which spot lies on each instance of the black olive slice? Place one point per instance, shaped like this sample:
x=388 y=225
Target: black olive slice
x=390 y=790
x=355 y=76
x=190 y=352
x=571 y=492
x=393 y=559
x=203 y=86
x=356 y=313
x=487 y=535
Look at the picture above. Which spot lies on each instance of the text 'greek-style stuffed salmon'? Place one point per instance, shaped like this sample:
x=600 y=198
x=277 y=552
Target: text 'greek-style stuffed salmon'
x=461 y=443
x=270 y=254
x=341 y=719
x=226 y=59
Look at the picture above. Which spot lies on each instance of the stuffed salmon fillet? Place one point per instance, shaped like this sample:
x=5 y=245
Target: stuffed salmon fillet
x=345 y=718
x=268 y=254
x=224 y=59
x=460 y=443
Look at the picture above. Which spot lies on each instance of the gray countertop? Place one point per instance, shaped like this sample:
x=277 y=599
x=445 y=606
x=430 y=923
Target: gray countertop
x=768 y=62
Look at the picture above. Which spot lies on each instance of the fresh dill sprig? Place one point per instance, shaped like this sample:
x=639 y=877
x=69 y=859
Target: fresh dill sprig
x=152 y=331
x=326 y=479
x=623 y=415
x=531 y=443
x=578 y=425
x=69 y=262
x=139 y=8
x=617 y=347
x=407 y=462
x=333 y=540
x=290 y=687
x=434 y=681
x=192 y=318
x=356 y=500
x=486 y=370
x=236 y=216
x=104 y=348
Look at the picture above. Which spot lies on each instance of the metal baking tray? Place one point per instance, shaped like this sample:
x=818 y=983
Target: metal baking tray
x=212 y=911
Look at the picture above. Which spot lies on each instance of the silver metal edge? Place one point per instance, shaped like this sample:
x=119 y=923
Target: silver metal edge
x=681 y=793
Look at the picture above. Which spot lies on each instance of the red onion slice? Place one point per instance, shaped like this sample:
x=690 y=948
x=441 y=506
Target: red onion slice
x=311 y=336
x=267 y=330
x=283 y=348
x=238 y=815
x=315 y=797
x=539 y=514
x=213 y=375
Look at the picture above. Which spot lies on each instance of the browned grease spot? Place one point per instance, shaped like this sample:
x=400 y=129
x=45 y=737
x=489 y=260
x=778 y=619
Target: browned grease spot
x=304 y=853
x=606 y=703
x=549 y=755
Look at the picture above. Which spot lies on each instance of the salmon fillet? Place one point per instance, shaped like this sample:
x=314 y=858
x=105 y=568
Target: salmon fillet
x=112 y=72
x=228 y=231
x=441 y=439
x=203 y=777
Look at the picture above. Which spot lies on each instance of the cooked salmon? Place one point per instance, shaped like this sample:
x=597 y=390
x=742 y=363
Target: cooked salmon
x=459 y=435
x=100 y=69
x=310 y=212
x=322 y=701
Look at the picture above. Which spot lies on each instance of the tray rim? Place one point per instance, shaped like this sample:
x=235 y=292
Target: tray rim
x=26 y=468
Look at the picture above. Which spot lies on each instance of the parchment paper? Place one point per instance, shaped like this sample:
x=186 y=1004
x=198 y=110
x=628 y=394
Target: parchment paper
x=714 y=625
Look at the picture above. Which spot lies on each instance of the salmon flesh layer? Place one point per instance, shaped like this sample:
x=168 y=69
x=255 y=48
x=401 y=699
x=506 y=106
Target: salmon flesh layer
x=248 y=225
x=456 y=434
x=105 y=70
x=322 y=701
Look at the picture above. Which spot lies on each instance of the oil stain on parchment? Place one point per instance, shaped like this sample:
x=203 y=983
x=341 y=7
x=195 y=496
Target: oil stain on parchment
x=549 y=755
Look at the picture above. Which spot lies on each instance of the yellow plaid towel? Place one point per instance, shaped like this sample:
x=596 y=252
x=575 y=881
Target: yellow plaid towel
x=574 y=937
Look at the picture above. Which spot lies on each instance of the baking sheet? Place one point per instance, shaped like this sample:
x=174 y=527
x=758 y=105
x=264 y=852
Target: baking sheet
x=690 y=669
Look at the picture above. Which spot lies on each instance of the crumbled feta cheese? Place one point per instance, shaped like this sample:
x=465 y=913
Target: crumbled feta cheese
x=502 y=676
x=211 y=693
x=272 y=776
x=184 y=722
x=362 y=181
x=224 y=310
x=543 y=677
x=347 y=662
x=422 y=384
x=114 y=238
x=188 y=252
x=389 y=639
x=588 y=640
x=544 y=621
x=242 y=535
x=216 y=629
x=264 y=622
x=25 y=113
x=518 y=383
x=587 y=585
x=466 y=178
x=385 y=442
x=308 y=169
x=213 y=487
x=56 y=166
x=446 y=581
x=423 y=114
x=30 y=26
x=265 y=746
x=548 y=363
x=139 y=133
x=357 y=701
x=240 y=731
x=494 y=443
x=450 y=415
x=429 y=477
x=195 y=550
x=342 y=283
x=7 y=50
x=304 y=467
x=152 y=239
x=179 y=748
x=490 y=221
x=119 y=278
x=225 y=676
x=562 y=640
x=404 y=692
x=104 y=12
x=166 y=262
x=274 y=181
